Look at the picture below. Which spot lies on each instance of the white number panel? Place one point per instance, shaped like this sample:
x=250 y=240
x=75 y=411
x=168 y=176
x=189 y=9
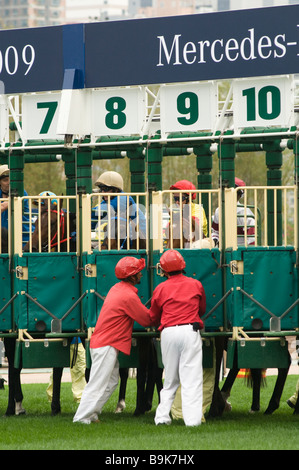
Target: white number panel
x=188 y=107
x=263 y=102
x=118 y=112
x=40 y=116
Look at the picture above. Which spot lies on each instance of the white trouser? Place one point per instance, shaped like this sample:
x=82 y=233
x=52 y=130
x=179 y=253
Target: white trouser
x=103 y=380
x=181 y=348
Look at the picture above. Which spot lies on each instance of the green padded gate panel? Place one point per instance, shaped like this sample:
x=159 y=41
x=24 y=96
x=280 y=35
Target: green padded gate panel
x=204 y=266
x=53 y=281
x=41 y=354
x=5 y=295
x=105 y=278
x=258 y=353
x=270 y=277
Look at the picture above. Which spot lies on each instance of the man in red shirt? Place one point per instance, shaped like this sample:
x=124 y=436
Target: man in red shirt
x=113 y=333
x=177 y=305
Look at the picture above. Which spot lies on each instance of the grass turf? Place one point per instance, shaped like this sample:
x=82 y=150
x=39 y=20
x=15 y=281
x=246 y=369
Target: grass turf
x=237 y=430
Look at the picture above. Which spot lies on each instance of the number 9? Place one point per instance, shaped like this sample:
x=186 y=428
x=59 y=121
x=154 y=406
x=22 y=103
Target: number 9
x=187 y=103
x=31 y=59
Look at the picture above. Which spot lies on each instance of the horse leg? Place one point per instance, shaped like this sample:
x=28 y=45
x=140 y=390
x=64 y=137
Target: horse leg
x=156 y=379
x=218 y=404
x=124 y=374
x=15 y=395
x=296 y=410
x=143 y=350
x=256 y=375
x=152 y=376
x=278 y=389
x=55 y=404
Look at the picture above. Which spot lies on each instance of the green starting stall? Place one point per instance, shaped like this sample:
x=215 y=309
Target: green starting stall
x=231 y=90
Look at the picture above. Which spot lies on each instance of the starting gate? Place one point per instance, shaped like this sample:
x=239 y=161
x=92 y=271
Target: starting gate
x=85 y=112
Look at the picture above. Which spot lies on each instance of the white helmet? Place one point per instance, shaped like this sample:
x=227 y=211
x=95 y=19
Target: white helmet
x=111 y=179
x=4 y=171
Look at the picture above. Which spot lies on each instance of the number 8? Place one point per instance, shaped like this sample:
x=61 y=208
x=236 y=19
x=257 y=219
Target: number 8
x=115 y=119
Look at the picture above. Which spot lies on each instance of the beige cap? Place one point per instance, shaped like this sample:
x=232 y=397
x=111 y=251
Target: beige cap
x=4 y=171
x=111 y=178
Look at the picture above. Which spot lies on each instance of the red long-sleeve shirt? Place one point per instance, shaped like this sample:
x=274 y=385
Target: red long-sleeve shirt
x=121 y=308
x=178 y=300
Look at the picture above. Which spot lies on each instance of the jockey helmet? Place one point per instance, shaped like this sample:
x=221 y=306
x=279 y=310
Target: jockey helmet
x=171 y=261
x=4 y=171
x=128 y=266
x=239 y=182
x=184 y=184
x=111 y=179
x=46 y=193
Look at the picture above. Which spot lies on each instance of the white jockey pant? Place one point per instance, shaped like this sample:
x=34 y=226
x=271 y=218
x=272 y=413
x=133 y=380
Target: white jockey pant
x=103 y=380
x=181 y=348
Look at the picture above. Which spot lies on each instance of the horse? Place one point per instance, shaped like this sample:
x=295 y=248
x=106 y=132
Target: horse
x=45 y=238
x=117 y=234
x=184 y=232
x=58 y=236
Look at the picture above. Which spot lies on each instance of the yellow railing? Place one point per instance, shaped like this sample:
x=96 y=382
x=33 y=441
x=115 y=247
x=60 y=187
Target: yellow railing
x=264 y=216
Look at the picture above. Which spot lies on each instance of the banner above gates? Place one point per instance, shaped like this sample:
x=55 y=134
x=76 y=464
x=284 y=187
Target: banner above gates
x=225 y=45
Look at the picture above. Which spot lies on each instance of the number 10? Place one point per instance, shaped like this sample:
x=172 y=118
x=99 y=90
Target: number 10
x=268 y=103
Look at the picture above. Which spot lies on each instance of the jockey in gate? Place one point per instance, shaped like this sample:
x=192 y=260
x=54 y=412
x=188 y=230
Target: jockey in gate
x=250 y=221
x=112 y=182
x=197 y=211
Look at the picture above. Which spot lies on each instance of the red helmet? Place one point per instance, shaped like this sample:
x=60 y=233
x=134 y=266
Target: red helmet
x=171 y=261
x=128 y=266
x=239 y=182
x=184 y=184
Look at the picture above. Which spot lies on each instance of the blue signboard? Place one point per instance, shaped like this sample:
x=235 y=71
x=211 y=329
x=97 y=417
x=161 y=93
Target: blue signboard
x=223 y=45
x=35 y=59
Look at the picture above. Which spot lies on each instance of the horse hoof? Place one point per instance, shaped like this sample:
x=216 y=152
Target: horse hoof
x=55 y=411
x=228 y=406
x=19 y=409
x=251 y=411
x=120 y=406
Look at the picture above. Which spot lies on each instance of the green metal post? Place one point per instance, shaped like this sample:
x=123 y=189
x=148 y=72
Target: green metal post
x=274 y=178
x=137 y=170
x=226 y=155
x=294 y=145
x=154 y=157
x=70 y=173
x=16 y=178
x=84 y=172
x=204 y=163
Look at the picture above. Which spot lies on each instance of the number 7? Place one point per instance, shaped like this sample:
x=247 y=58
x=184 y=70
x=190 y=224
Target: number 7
x=52 y=106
